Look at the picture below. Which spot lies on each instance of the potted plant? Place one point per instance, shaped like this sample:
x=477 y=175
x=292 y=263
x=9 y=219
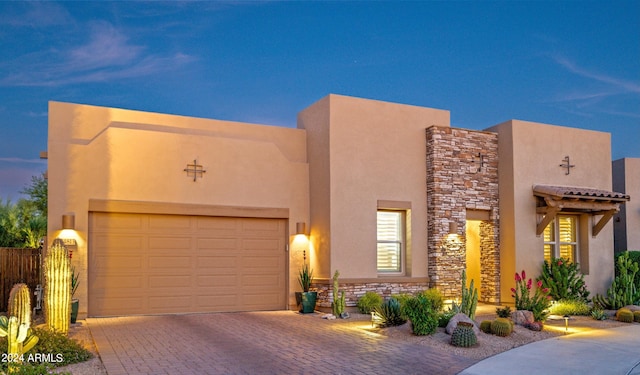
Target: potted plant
x=75 y=303
x=306 y=300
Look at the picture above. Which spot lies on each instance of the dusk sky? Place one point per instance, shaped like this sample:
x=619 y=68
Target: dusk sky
x=569 y=63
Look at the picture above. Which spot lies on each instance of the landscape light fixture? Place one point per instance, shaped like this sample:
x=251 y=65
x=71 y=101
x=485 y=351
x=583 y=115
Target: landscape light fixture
x=69 y=221
x=301 y=227
x=566 y=323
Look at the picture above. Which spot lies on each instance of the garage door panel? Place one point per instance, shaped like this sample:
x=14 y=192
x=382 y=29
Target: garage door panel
x=261 y=262
x=170 y=303
x=167 y=281
x=169 y=222
x=169 y=262
x=179 y=264
x=120 y=222
x=218 y=224
x=169 y=243
x=260 y=245
x=121 y=242
x=214 y=245
x=219 y=302
x=125 y=261
x=210 y=263
x=217 y=281
x=255 y=226
x=118 y=281
x=261 y=281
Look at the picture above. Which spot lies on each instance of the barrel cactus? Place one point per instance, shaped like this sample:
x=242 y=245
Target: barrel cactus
x=501 y=327
x=463 y=335
x=20 y=303
x=57 y=288
x=625 y=315
x=636 y=316
x=485 y=326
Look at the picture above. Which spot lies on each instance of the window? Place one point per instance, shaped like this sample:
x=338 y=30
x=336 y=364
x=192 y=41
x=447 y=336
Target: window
x=561 y=238
x=391 y=240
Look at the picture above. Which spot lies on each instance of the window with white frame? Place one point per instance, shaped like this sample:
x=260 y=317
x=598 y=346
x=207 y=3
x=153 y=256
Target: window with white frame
x=561 y=238
x=391 y=241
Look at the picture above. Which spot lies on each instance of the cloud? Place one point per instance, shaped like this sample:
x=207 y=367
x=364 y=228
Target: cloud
x=623 y=85
x=601 y=94
x=108 y=55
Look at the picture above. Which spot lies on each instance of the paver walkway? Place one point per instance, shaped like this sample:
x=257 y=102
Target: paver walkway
x=278 y=342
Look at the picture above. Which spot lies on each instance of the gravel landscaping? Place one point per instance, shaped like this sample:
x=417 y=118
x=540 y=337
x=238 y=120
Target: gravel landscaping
x=489 y=345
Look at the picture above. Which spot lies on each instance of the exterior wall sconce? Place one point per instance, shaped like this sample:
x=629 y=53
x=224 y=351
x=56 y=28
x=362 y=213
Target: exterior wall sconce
x=69 y=221
x=301 y=227
x=453 y=227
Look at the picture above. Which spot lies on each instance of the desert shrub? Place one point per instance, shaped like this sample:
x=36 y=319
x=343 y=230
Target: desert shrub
x=402 y=298
x=369 y=302
x=389 y=313
x=424 y=320
x=599 y=314
x=62 y=348
x=570 y=307
x=503 y=312
x=564 y=280
x=434 y=297
x=636 y=316
x=444 y=317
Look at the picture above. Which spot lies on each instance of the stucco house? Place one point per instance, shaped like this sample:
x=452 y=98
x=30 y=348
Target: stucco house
x=172 y=214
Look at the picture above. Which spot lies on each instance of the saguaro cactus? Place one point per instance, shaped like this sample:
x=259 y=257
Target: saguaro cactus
x=20 y=303
x=57 y=288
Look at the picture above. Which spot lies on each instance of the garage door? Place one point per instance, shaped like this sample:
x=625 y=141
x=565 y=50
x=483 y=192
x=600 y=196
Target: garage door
x=156 y=264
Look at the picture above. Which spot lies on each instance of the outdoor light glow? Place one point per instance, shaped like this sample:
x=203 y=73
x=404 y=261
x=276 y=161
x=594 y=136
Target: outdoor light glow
x=68 y=234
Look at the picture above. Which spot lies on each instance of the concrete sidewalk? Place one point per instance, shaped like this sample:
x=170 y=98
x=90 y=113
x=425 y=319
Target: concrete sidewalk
x=605 y=351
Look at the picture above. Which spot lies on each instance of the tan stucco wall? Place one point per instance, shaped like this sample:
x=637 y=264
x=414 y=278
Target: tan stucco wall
x=362 y=151
x=626 y=179
x=116 y=154
x=530 y=153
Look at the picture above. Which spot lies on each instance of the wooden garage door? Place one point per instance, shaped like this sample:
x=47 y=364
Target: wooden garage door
x=155 y=264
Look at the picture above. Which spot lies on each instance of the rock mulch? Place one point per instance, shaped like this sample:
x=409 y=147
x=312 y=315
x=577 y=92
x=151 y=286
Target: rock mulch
x=489 y=345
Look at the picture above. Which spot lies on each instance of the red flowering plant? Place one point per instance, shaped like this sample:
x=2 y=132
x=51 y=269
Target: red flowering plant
x=538 y=303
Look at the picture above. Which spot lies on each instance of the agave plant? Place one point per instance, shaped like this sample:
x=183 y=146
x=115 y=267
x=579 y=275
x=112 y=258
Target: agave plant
x=305 y=278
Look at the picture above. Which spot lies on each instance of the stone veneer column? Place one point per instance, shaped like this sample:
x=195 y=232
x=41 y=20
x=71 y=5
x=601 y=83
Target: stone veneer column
x=462 y=174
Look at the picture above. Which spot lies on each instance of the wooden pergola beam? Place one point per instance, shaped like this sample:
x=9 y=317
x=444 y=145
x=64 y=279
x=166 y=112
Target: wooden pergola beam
x=548 y=217
x=602 y=222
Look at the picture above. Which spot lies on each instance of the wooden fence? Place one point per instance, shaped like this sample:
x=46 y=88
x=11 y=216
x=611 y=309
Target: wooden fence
x=18 y=266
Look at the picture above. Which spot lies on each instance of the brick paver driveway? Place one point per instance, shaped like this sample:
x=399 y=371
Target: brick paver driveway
x=278 y=342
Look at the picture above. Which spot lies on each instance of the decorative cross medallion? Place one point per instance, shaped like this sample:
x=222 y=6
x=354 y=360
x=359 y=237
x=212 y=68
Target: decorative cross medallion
x=567 y=164
x=194 y=170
